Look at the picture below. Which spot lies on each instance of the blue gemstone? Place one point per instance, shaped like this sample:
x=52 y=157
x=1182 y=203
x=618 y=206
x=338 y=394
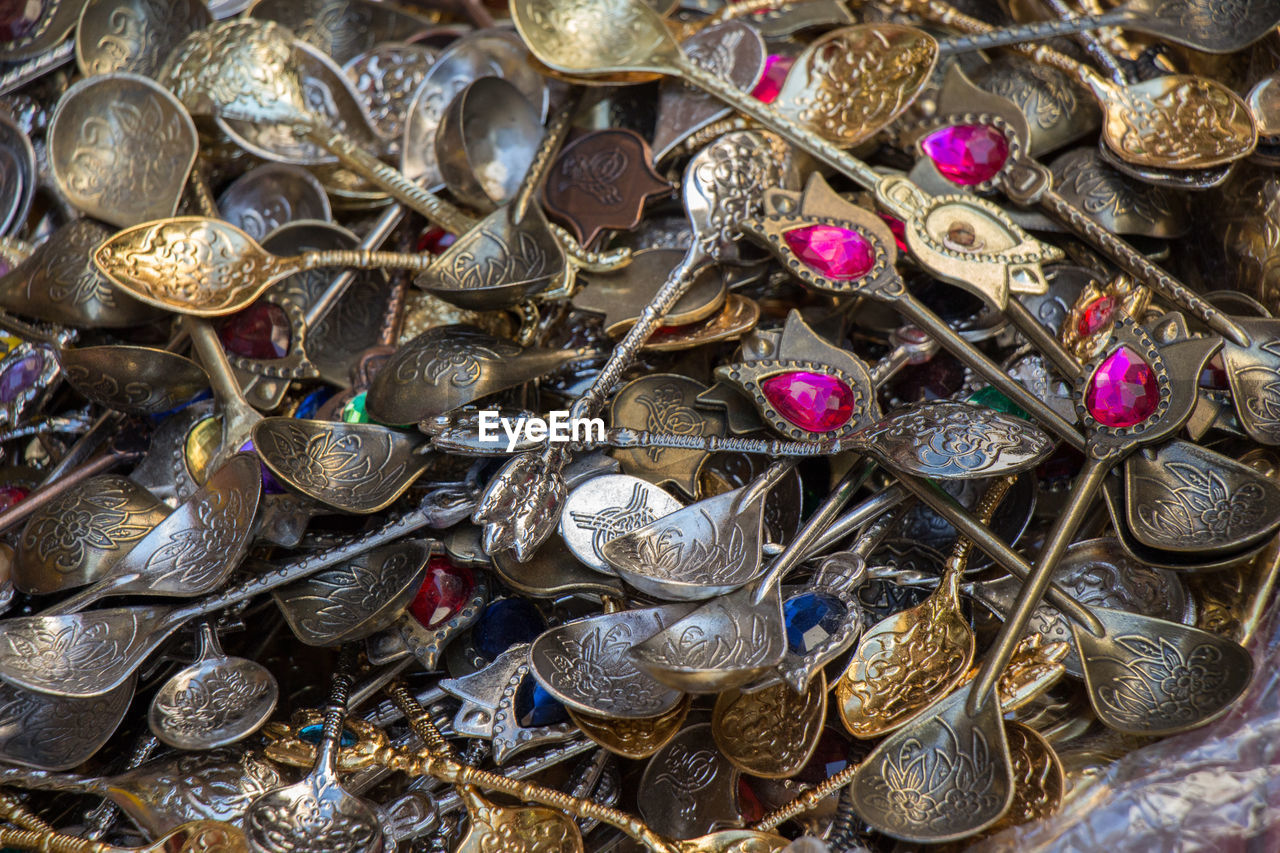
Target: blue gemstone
x=312 y=402
x=313 y=732
x=811 y=618
x=536 y=707
x=505 y=623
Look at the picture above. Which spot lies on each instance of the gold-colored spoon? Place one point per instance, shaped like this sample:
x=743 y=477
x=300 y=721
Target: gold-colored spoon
x=206 y=267
x=1177 y=121
x=907 y=661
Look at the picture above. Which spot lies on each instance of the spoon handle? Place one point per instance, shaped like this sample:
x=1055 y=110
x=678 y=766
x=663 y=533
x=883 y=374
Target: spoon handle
x=542 y=159
x=335 y=712
x=52 y=842
x=303 y=567
x=366 y=259
x=1133 y=262
x=391 y=180
x=1034 y=31
x=34 y=69
x=919 y=314
x=813 y=529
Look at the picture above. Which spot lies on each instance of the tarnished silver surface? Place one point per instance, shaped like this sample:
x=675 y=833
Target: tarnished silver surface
x=604 y=508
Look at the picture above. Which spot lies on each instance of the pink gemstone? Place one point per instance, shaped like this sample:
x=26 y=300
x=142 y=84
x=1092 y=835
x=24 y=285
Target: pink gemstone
x=1096 y=316
x=775 y=72
x=1123 y=390
x=446 y=590
x=837 y=253
x=10 y=495
x=967 y=154
x=812 y=401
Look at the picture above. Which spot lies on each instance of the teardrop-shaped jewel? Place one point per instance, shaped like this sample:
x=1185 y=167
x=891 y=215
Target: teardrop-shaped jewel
x=838 y=253
x=1123 y=390
x=812 y=401
x=967 y=154
x=445 y=590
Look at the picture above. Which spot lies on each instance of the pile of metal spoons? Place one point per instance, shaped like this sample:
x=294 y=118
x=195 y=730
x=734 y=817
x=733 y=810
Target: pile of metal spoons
x=614 y=425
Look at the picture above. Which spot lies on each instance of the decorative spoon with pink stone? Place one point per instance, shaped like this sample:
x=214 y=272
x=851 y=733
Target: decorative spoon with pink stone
x=986 y=150
x=837 y=247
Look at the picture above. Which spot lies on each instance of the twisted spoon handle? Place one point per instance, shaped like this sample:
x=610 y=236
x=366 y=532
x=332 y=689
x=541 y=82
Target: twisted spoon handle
x=391 y=180
x=1034 y=31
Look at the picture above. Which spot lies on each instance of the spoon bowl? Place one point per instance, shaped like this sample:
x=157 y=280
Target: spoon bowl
x=356 y=599
x=486 y=141
x=136 y=380
x=121 y=148
x=359 y=468
x=216 y=701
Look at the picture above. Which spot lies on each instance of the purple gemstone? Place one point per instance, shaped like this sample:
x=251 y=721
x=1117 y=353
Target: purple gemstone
x=967 y=154
x=19 y=376
x=270 y=484
x=18 y=18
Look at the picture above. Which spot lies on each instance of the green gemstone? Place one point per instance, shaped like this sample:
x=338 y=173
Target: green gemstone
x=354 y=411
x=994 y=398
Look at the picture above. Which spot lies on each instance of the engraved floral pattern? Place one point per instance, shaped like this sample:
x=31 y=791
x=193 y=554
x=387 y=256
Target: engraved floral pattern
x=1203 y=508
x=770 y=732
x=343 y=467
x=594 y=667
x=1157 y=680
x=103 y=516
x=215 y=701
x=285 y=824
x=456 y=356
x=957 y=439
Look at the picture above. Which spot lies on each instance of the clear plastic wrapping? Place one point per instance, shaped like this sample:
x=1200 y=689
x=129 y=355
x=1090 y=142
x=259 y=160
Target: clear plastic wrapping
x=1213 y=789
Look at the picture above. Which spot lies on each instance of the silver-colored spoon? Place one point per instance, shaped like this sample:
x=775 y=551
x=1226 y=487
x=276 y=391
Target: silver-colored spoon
x=216 y=701
x=318 y=815
x=194 y=550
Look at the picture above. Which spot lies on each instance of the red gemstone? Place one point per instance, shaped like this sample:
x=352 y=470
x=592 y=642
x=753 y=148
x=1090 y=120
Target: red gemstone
x=749 y=805
x=837 y=253
x=435 y=240
x=899 y=229
x=775 y=72
x=812 y=401
x=1097 y=314
x=10 y=495
x=1123 y=390
x=967 y=154
x=259 y=331
x=446 y=590
x=18 y=18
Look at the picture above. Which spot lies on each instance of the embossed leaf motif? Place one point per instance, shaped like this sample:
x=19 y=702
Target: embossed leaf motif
x=1204 y=508
x=210 y=702
x=518 y=830
x=297 y=824
x=1178 y=121
x=854 y=81
x=1157 y=680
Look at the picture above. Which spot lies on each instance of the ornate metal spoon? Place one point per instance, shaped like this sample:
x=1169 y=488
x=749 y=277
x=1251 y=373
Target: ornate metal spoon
x=121 y=148
x=521 y=504
x=216 y=701
x=317 y=814
x=89 y=653
x=1201 y=24
x=208 y=268
x=700 y=551
x=487 y=140
x=360 y=468
x=194 y=550
x=904 y=663
x=136 y=380
x=242 y=70
x=358 y=598
x=1175 y=121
